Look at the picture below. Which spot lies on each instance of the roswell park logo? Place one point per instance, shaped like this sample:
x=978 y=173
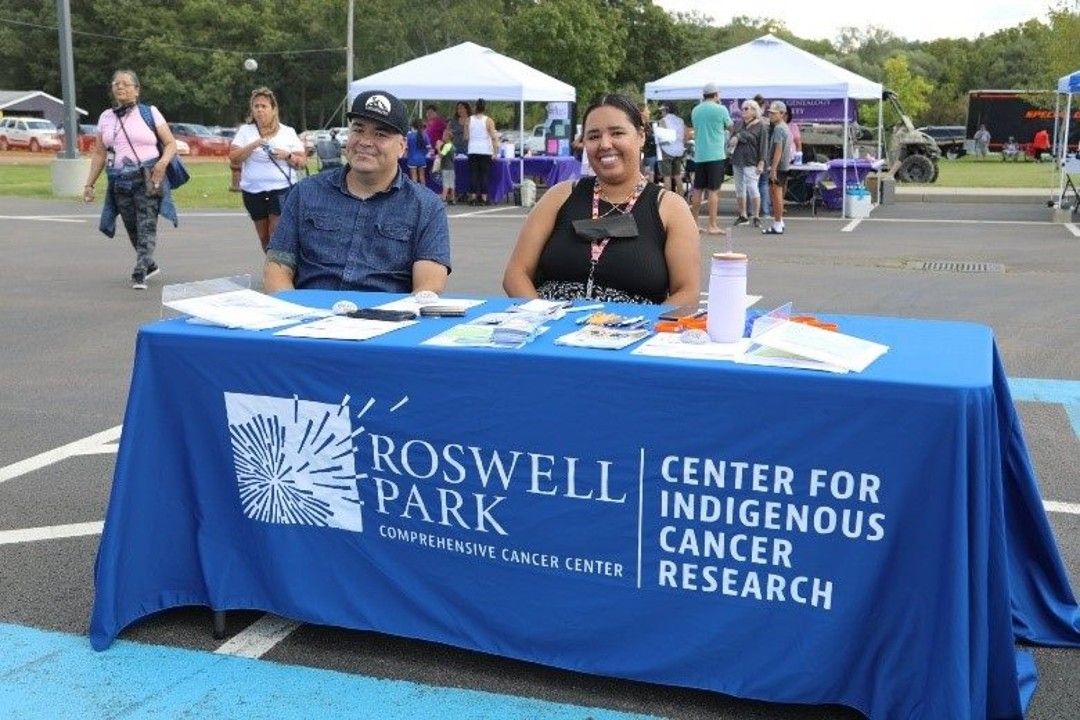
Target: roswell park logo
x=298 y=462
x=732 y=527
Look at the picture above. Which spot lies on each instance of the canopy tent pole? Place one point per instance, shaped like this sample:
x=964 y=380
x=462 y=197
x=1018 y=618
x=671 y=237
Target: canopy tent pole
x=1065 y=149
x=521 y=140
x=843 y=170
x=1058 y=152
x=880 y=136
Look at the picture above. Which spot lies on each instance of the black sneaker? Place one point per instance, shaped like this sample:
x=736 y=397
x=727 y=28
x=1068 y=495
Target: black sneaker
x=741 y=220
x=152 y=270
x=138 y=280
x=757 y=221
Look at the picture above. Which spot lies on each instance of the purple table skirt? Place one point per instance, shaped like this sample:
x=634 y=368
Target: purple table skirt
x=504 y=174
x=857 y=171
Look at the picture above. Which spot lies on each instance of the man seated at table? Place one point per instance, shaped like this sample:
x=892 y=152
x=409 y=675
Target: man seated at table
x=364 y=226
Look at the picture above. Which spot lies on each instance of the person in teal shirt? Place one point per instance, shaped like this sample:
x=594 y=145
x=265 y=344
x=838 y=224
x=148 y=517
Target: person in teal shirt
x=711 y=122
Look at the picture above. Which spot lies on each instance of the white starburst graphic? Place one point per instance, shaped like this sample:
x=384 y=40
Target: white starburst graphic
x=294 y=460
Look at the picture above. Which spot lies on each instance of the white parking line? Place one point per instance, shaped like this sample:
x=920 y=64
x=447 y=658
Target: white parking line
x=1062 y=507
x=53 y=532
x=45 y=218
x=259 y=638
x=851 y=225
x=1071 y=227
x=93 y=444
x=486 y=211
x=944 y=221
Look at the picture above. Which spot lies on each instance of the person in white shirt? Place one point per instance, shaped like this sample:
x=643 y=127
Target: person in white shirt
x=270 y=154
x=673 y=152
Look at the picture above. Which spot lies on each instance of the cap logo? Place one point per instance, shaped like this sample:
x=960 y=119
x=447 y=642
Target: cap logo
x=379 y=104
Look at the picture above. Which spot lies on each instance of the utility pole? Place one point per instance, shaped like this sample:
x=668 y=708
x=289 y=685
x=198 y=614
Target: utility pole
x=69 y=170
x=348 y=58
x=67 y=79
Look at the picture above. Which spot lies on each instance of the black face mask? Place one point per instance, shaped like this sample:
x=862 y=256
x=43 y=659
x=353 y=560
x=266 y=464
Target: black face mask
x=613 y=226
x=122 y=110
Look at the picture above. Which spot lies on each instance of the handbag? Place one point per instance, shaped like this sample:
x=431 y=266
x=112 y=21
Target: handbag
x=175 y=172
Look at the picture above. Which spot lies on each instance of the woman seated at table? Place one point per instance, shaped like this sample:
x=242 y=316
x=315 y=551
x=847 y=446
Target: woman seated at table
x=613 y=237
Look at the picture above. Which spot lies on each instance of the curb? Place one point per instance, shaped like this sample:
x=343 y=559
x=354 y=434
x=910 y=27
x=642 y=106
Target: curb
x=1024 y=196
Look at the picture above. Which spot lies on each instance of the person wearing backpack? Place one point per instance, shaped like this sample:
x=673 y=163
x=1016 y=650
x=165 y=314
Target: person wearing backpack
x=133 y=148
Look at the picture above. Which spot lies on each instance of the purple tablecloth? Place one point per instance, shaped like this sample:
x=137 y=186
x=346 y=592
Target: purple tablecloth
x=504 y=174
x=857 y=169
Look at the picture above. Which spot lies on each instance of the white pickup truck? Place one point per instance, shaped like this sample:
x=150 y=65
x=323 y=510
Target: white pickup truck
x=535 y=140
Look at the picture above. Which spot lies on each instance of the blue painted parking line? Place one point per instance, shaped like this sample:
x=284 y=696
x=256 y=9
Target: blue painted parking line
x=1060 y=392
x=55 y=676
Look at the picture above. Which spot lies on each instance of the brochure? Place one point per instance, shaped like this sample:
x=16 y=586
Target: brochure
x=340 y=327
x=675 y=345
x=502 y=330
x=245 y=309
x=807 y=342
x=604 y=338
x=412 y=303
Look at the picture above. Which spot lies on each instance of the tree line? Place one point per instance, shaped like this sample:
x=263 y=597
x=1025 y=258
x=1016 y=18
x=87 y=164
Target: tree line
x=189 y=53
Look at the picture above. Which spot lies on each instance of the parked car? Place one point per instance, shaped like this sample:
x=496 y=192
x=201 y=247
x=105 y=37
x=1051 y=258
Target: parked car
x=200 y=139
x=950 y=138
x=225 y=132
x=87 y=135
x=182 y=148
x=84 y=141
x=34 y=134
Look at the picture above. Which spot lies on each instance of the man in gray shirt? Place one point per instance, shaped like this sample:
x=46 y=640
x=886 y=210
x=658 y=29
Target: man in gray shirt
x=779 y=155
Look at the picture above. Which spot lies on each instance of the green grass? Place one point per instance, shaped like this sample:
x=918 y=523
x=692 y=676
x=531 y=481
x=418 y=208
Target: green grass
x=991 y=172
x=208 y=187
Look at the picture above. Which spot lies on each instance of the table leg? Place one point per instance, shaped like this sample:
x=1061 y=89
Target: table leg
x=219 y=624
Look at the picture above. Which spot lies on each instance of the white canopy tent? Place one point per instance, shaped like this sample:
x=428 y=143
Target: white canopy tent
x=466 y=72
x=775 y=69
x=1067 y=86
x=769 y=66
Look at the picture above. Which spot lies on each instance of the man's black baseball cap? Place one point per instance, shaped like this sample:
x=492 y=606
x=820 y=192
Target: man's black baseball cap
x=382 y=107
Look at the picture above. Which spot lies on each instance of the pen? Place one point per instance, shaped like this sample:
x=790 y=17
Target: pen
x=584 y=307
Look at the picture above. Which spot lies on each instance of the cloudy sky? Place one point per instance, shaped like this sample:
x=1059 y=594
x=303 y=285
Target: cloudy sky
x=910 y=19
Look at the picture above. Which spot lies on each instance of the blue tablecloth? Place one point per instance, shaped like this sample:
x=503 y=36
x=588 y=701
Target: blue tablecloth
x=875 y=540
x=504 y=174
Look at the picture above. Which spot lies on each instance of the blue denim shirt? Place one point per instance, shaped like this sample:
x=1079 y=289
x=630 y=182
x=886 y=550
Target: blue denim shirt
x=333 y=240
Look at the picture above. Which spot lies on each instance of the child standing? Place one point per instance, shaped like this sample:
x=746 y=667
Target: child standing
x=445 y=159
x=416 y=152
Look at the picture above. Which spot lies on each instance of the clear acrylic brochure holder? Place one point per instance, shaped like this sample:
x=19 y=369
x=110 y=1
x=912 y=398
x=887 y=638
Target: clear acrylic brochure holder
x=769 y=320
x=200 y=288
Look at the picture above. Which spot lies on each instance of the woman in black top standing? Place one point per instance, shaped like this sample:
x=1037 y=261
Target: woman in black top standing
x=653 y=256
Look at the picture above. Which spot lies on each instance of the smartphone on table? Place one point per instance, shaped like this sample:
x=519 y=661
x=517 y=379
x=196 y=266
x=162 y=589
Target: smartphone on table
x=681 y=312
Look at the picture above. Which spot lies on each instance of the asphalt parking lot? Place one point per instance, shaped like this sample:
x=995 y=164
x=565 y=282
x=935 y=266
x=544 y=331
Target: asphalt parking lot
x=68 y=319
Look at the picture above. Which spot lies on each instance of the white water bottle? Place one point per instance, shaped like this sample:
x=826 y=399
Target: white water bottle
x=727 y=297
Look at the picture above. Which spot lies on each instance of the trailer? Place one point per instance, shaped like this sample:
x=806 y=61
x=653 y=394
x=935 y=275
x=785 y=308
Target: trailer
x=1018 y=114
